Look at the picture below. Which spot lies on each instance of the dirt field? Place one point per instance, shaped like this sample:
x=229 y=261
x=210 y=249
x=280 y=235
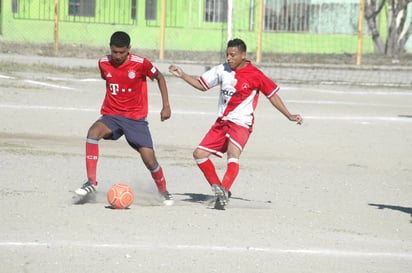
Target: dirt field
x=332 y=195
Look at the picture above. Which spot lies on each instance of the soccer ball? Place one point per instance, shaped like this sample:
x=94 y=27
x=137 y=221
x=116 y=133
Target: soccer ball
x=120 y=196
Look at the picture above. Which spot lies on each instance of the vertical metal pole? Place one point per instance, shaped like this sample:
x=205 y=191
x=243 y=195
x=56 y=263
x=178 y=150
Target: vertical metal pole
x=252 y=15
x=56 y=28
x=360 y=31
x=162 y=29
x=229 y=19
x=259 y=34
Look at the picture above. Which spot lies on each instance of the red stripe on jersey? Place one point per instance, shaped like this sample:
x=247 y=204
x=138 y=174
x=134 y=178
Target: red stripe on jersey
x=204 y=83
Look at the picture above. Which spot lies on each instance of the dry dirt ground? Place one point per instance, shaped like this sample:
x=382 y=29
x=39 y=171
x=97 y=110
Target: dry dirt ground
x=332 y=195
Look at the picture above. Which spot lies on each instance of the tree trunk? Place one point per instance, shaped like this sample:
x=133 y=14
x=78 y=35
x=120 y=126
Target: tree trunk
x=371 y=12
x=398 y=34
x=402 y=33
x=405 y=36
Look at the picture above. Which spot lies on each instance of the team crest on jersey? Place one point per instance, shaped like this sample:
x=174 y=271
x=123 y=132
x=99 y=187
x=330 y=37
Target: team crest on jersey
x=131 y=74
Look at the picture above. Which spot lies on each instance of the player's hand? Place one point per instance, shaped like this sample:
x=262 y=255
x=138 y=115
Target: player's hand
x=165 y=113
x=296 y=118
x=175 y=70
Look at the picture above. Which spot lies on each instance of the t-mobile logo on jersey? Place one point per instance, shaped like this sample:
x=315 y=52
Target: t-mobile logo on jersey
x=114 y=87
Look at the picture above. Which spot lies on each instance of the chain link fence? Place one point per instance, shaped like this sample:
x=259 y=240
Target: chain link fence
x=310 y=34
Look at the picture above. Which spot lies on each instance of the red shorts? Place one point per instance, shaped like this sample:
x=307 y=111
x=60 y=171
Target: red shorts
x=217 y=138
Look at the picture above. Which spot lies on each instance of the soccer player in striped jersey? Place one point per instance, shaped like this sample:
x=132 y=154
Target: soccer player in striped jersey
x=124 y=112
x=240 y=84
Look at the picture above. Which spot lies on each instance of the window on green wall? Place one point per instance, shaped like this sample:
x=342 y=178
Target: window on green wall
x=15 y=6
x=85 y=8
x=216 y=11
x=151 y=10
x=133 y=10
x=287 y=15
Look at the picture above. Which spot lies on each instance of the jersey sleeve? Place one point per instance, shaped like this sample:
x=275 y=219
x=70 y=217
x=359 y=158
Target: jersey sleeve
x=101 y=63
x=268 y=87
x=210 y=78
x=150 y=69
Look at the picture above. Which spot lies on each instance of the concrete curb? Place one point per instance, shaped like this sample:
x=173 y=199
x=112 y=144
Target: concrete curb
x=391 y=76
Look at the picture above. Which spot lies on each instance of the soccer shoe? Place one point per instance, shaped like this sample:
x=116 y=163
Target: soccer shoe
x=85 y=194
x=218 y=203
x=168 y=198
x=86 y=188
x=222 y=198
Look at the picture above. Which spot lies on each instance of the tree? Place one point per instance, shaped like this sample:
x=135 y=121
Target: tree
x=397 y=32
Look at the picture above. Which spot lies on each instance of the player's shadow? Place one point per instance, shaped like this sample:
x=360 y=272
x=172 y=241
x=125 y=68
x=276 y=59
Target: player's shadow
x=195 y=197
x=392 y=207
x=205 y=198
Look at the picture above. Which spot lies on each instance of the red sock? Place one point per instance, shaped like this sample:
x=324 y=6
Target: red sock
x=209 y=171
x=159 y=178
x=92 y=155
x=230 y=175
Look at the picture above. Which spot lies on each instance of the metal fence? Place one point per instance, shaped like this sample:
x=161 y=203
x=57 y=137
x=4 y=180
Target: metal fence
x=195 y=28
x=288 y=53
x=121 y=12
x=279 y=15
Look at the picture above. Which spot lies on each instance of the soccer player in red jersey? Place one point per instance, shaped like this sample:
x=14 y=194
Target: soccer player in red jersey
x=124 y=112
x=240 y=83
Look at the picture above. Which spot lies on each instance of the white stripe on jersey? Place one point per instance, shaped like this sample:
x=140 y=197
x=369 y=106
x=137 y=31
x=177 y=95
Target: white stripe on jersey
x=241 y=114
x=274 y=92
x=136 y=58
x=104 y=59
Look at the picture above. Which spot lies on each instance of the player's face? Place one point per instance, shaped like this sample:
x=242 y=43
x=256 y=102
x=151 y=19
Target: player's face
x=119 y=54
x=235 y=58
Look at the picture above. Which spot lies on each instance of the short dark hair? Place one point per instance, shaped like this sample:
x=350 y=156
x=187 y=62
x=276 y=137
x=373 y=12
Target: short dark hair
x=237 y=43
x=120 y=39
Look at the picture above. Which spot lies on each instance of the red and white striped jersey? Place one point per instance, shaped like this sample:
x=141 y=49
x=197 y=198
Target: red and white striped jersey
x=126 y=86
x=239 y=91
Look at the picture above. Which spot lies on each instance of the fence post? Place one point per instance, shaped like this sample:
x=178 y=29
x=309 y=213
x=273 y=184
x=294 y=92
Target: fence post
x=162 y=30
x=259 y=34
x=229 y=19
x=56 y=28
x=360 y=31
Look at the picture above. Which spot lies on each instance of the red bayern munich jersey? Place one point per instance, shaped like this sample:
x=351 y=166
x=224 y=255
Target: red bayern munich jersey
x=239 y=91
x=126 y=86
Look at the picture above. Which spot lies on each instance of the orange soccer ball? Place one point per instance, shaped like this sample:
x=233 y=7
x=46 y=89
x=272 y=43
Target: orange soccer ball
x=120 y=196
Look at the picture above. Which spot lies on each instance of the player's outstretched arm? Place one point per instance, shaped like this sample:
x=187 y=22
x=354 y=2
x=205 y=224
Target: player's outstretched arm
x=166 y=112
x=178 y=72
x=278 y=103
